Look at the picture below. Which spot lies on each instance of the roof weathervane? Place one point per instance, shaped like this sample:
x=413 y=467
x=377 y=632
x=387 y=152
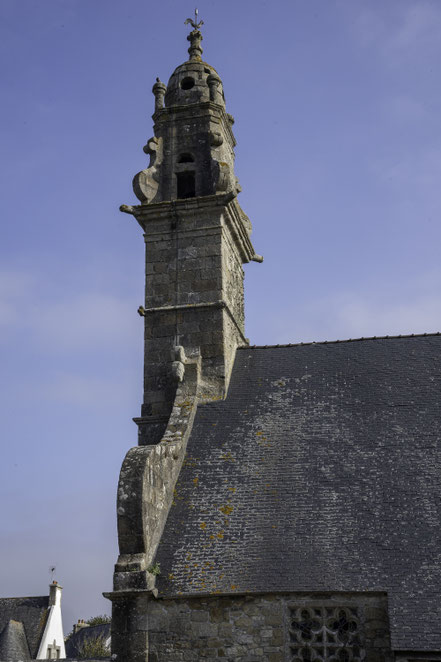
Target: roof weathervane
x=195 y=37
x=195 y=23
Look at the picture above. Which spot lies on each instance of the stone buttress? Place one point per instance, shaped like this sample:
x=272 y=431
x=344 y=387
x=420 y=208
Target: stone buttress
x=197 y=238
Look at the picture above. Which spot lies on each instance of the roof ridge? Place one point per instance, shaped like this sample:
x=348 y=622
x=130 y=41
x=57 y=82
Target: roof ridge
x=334 y=342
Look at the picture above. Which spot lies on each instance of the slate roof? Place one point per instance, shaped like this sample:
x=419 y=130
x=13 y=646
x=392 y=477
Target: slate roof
x=13 y=642
x=319 y=472
x=75 y=643
x=32 y=613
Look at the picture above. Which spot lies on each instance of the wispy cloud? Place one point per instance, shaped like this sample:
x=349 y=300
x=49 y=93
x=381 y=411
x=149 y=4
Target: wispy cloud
x=367 y=317
x=86 y=321
x=414 y=172
x=355 y=315
x=419 y=23
x=394 y=29
x=82 y=390
x=15 y=287
x=404 y=109
x=393 y=309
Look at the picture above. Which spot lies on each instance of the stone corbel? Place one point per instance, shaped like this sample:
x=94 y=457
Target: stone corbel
x=178 y=365
x=216 y=139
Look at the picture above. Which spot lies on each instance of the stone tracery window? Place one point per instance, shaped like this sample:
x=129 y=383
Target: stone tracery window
x=325 y=634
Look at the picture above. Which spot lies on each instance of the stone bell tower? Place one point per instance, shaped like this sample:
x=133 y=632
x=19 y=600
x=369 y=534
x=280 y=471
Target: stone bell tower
x=197 y=238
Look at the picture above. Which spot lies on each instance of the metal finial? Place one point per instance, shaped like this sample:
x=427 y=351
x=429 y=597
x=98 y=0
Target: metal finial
x=194 y=23
x=195 y=37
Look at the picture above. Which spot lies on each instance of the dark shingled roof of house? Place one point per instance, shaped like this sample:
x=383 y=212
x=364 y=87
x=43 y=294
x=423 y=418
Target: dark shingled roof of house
x=32 y=613
x=319 y=472
x=13 y=642
x=75 y=645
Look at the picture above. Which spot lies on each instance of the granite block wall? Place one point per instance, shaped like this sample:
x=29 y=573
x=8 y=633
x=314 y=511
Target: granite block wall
x=193 y=297
x=262 y=627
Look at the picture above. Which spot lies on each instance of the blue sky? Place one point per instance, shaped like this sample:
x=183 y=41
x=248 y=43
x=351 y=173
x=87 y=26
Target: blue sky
x=337 y=106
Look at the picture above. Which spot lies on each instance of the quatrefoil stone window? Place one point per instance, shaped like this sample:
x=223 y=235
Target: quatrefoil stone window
x=325 y=634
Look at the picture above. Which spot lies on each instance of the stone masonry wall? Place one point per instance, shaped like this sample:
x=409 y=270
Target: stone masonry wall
x=232 y=339
x=252 y=628
x=194 y=298
x=183 y=273
x=202 y=131
x=233 y=281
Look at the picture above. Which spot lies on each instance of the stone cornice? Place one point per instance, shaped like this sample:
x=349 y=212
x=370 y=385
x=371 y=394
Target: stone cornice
x=189 y=207
x=186 y=206
x=194 y=306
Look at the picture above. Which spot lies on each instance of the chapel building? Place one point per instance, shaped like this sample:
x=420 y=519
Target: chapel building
x=283 y=503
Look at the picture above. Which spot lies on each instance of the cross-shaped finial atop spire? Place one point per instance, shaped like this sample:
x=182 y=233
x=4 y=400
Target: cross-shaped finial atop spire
x=194 y=23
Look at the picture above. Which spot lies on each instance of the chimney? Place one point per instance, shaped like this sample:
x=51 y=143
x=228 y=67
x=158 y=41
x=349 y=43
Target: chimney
x=55 y=594
x=80 y=625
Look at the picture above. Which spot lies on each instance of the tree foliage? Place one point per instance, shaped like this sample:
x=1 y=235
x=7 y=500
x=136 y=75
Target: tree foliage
x=98 y=620
x=91 y=649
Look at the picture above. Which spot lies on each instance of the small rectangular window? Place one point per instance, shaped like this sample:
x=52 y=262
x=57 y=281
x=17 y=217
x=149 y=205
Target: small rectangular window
x=186 y=184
